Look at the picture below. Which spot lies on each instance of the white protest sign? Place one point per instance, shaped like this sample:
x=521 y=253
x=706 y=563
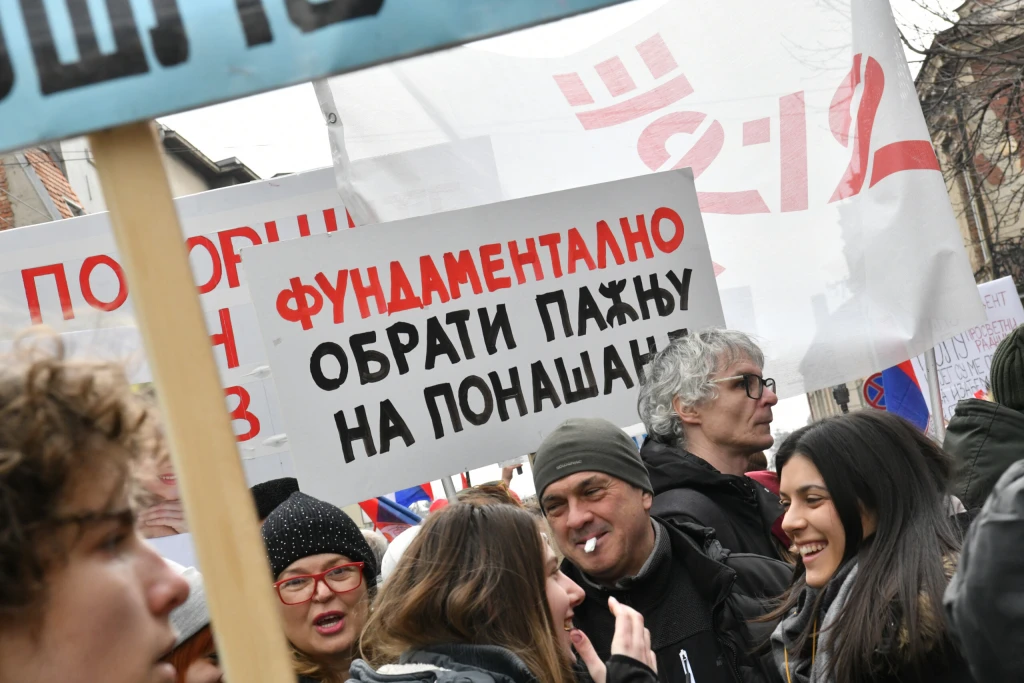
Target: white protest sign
x=965 y=360
x=438 y=344
x=67 y=274
x=815 y=171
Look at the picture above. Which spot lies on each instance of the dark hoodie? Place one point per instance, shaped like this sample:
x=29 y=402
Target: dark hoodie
x=985 y=600
x=465 y=663
x=985 y=438
x=689 y=490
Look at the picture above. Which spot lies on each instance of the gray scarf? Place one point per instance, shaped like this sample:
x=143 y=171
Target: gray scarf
x=801 y=668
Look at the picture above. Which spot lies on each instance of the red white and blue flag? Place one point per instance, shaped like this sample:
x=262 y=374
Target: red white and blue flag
x=389 y=517
x=903 y=394
x=407 y=497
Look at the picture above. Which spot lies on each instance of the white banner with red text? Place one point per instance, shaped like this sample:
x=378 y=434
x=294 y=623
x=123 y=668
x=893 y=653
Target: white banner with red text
x=826 y=211
x=67 y=274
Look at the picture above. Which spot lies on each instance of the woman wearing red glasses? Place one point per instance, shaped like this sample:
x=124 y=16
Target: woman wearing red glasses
x=325 y=575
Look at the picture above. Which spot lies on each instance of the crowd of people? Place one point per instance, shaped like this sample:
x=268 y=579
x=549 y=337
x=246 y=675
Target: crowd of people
x=868 y=554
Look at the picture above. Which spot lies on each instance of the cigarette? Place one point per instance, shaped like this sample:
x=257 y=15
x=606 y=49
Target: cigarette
x=591 y=544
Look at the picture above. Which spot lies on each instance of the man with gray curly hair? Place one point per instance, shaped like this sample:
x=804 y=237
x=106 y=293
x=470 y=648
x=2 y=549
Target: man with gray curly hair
x=708 y=408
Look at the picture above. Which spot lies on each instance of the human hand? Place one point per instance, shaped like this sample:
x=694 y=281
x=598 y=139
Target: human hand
x=169 y=514
x=507 y=473
x=631 y=639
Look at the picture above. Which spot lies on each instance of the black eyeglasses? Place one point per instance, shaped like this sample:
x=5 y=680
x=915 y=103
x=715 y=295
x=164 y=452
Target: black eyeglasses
x=754 y=384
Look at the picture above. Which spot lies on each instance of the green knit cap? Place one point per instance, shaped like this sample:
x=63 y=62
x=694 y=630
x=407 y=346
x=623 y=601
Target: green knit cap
x=1007 y=373
x=588 y=444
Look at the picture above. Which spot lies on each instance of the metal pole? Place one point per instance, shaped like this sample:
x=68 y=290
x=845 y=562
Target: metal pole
x=449 y=488
x=932 y=370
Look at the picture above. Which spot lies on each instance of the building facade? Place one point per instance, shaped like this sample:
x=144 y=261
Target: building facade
x=970 y=86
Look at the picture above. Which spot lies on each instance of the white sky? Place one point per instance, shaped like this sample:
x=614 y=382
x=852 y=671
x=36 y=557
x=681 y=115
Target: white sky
x=283 y=130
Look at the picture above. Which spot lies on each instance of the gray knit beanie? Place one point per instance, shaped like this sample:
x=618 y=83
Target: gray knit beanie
x=192 y=615
x=1007 y=373
x=587 y=444
x=303 y=526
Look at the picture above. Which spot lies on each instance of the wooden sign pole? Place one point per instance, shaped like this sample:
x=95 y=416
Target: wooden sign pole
x=221 y=513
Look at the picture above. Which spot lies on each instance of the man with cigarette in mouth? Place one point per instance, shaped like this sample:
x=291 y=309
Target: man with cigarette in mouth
x=695 y=599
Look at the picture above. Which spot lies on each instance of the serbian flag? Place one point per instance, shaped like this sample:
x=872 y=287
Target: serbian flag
x=903 y=395
x=407 y=497
x=389 y=517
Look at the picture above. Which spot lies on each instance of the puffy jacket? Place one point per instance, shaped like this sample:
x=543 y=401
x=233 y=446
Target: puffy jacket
x=463 y=663
x=985 y=599
x=985 y=438
x=689 y=490
x=731 y=589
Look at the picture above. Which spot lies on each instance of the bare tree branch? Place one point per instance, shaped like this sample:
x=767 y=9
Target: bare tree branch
x=971 y=87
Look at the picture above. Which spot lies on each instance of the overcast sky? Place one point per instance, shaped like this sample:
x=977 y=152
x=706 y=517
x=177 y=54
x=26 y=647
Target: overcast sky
x=283 y=131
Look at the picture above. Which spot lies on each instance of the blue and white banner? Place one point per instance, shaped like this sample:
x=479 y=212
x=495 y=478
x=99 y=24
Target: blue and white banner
x=66 y=68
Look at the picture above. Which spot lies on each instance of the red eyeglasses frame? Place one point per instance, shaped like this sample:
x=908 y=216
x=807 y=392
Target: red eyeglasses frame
x=319 y=578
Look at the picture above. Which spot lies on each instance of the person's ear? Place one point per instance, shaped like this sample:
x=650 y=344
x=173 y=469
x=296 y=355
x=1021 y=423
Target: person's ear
x=688 y=414
x=648 y=499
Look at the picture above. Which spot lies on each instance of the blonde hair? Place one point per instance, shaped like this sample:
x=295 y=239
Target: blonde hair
x=473 y=575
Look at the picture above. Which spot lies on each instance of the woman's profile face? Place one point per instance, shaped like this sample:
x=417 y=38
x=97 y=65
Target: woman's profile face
x=563 y=595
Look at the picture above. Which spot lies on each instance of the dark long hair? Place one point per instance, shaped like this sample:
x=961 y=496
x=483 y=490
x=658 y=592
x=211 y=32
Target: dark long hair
x=473 y=575
x=878 y=463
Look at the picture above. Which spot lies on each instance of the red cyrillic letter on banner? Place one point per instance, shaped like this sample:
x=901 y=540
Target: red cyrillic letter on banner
x=28 y=278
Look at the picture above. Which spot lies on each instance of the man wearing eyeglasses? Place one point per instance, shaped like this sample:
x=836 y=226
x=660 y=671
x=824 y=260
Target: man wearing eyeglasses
x=708 y=408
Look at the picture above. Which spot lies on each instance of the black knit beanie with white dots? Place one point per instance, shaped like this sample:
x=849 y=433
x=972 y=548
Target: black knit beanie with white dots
x=303 y=526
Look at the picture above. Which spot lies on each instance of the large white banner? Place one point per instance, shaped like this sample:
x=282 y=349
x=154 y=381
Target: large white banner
x=826 y=212
x=443 y=343
x=67 y=274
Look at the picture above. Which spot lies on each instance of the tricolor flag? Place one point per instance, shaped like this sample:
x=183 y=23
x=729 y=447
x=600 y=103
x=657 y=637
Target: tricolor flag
x=389 y=517
x=903 y=395
x=407 y=497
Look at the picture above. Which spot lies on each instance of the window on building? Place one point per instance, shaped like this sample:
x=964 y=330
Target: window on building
x=74 y=207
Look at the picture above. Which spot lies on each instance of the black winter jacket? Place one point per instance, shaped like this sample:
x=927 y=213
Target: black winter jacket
x=709 y=624
x=985 y=438
x=689 y=490
x=985 y=599
x=463 y=663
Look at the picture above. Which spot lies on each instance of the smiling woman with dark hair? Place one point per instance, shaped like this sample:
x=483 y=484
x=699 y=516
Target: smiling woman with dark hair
x=868 y=516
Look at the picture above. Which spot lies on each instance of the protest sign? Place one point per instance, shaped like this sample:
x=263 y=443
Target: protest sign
x=68 y=275
x=964 y=361
x=155 y=58
x=814 y=167
x=76 y=72
x=433 y=345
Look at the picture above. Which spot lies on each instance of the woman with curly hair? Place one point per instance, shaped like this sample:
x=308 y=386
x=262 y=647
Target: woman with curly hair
x=82 y=597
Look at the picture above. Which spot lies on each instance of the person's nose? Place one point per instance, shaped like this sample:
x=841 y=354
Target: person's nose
x=579 y=516
x=165 y=589
x=793 y=521
x=321 y=592
x=769 y=397
x=576 y=594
